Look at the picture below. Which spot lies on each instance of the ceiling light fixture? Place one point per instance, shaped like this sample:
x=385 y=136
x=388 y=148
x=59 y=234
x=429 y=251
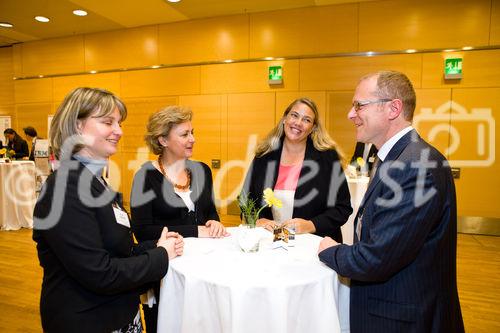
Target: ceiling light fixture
x=411 y=51
x=173 y=0
x=467 y=48
x=42 y=19
x=80 y=12
x=93 y=72
x=227 y=61
x=6 y=25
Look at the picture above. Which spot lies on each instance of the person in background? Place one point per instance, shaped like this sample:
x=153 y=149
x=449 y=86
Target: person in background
x=16 y=143
x=300 y=161
x=31 y=135
x=93 y=273
x=172 y=191
x=402 y=264
x=368 y=152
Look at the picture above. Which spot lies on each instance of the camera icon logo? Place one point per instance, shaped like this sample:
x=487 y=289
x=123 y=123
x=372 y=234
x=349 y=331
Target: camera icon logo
x=467 y=139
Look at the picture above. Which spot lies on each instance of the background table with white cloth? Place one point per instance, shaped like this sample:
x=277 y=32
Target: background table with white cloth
x=17 y=195
x=215 y=287
x=357 y=188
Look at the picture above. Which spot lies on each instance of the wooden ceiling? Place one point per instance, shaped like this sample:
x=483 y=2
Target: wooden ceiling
x=104 y=15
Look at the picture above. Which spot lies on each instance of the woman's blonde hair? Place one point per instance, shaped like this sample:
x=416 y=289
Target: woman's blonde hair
x=78 y=105
x=161 y=122
x=319 y=136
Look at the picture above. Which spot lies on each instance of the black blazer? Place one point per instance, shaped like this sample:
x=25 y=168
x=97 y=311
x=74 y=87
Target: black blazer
x=360 y=149
x=403 y=270
x=155 y=205
x=92 y=272
x=20 y=146
x=321 y=196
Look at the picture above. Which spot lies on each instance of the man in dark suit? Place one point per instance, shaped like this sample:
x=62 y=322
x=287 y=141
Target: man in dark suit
x=402 y=264
x=367 y=151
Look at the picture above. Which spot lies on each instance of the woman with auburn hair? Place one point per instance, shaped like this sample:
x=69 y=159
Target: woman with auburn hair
x=172 y=191
x=300 y=161
x=93 y=273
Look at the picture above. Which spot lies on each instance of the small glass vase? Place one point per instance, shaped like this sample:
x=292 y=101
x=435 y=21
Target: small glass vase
x=248 y=236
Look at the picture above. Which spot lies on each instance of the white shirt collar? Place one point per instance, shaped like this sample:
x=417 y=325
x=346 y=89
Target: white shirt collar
x=387 y=146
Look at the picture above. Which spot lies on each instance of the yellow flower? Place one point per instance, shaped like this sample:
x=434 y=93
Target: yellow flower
x=361 y=162
x=270 y=199
x=3 y=151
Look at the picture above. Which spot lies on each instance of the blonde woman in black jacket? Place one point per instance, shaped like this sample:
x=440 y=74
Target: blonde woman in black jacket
x=92 y=271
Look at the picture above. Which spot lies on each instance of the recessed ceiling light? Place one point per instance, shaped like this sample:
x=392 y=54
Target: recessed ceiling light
x=93 y=72
x=370 y=53
x=466 y=48
x=411 y=51
x=228 y=61
x=80 y=12
x=269 y=58
x=42 y=19
x=155 y=66
x=6 y=24
x=173 y=0
x=448 y=50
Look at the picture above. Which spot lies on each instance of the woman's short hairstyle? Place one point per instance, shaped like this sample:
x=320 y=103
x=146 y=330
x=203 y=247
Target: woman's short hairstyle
x=319 y=136
x=161 y=122
x=30 y=131
x=81 y=104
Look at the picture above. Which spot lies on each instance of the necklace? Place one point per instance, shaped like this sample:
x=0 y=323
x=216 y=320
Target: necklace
x=177 y=186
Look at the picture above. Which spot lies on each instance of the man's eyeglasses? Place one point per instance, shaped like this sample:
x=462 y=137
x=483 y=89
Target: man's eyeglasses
x=357 y=105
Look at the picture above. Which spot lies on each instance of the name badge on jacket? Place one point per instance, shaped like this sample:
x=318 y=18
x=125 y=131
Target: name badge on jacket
x=121 y=216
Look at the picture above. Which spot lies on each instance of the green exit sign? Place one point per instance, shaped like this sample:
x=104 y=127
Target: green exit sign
x=453 y=68
x=275 y=75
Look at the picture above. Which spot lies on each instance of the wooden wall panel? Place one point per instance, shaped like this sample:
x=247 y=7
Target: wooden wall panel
x=33 y=91
x=130 y=48
x=298 y=31
x=477 y=188
x=426 y=24
x=65 y=84
x=33 y=115
x=212 y=39
x=248 y=115
x=283 y=99
x=431 y=104
x=339 y=126
x=17 y=58
x=161 y=82
x=134 y=127
x=53 y=56
x=344 y=73
x=495 y=23
x=209 y=118
x=479 y=69
x=247 y=77
x=6 y=76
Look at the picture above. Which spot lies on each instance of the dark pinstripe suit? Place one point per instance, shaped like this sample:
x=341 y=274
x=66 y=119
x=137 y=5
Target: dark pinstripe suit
x=403 y=270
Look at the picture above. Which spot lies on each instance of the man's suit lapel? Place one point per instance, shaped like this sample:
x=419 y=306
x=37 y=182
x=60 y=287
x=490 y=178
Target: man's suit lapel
x=394 y=153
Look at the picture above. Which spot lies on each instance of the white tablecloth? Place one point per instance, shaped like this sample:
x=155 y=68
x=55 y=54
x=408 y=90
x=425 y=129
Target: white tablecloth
x=357 y=187
x=215 y=287
x=17 y=196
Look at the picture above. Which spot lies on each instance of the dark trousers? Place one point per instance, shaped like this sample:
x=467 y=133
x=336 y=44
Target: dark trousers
x=150 y=317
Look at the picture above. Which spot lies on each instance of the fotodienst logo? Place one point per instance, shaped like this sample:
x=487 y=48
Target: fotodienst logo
x=469 y=135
